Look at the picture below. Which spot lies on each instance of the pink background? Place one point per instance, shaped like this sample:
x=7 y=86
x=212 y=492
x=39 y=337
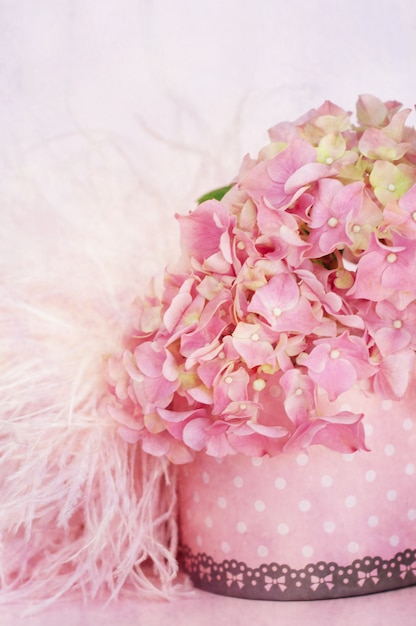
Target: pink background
x=116 y=113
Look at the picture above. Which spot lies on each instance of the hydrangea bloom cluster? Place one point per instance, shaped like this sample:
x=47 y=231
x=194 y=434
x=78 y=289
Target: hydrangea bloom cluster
x=294 y=287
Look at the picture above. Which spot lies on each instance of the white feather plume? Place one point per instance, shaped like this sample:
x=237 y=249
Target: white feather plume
x=79 y=507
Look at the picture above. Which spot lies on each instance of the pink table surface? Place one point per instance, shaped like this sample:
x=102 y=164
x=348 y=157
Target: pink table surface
x=200 y=609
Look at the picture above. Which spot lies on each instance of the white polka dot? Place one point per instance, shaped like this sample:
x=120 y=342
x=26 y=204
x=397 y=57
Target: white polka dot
x=411 y=514
x=373 y=521
x=370 y=476
x=205 y=477
x=391 y=495
x=408 y=424
x=259 y=506
x=283 y=529
x=238 y=482
x=350 y=502
x=386 y=405
x=208 y=522
x=329 y=527
x=302 y=459
x=305 y=505
x=348 y=458
x=241 y=527
x=262 y=551
x=256 y=461
x=353 y=547
x=368 y=429
x=389 y=449
x=410 y=469
x=225 y=546
x=326 y=481
x=199 y=540
x=307 y=551
x=196 y=496
x=222 y=502
x=280 y=483
x=394 y=540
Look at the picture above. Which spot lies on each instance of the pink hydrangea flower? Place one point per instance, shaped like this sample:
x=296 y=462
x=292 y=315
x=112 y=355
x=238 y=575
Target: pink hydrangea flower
x=295 y=283
x=337 y=364
x=384 y=270
x=392 y=329
x=336 y=207
x=281 y=303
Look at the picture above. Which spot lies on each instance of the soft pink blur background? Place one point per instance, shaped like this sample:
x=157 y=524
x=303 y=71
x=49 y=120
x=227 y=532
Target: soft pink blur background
x=116 y=113
x=104 y=100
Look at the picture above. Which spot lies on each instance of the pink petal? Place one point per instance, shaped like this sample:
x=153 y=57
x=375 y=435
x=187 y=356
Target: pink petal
x=376 y=145
x=392 y=379
x=203 y=230
x=306 y=175
x=194 y=433
x=342 y=432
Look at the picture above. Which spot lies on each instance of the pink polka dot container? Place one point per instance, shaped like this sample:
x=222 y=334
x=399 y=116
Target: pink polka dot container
x=307 y=525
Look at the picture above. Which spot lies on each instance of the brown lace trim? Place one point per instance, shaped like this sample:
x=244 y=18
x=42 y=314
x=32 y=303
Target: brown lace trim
x=317 y=581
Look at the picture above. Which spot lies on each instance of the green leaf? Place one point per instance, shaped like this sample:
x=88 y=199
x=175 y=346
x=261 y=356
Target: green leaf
x=215 y=194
